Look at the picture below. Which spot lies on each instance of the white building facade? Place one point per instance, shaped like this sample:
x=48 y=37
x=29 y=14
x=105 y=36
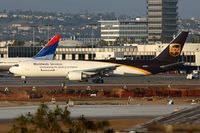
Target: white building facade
x=134 y=31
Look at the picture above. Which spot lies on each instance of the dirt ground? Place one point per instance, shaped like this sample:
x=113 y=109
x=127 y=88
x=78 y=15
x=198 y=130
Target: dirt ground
x=120 y=124
x=103 y=101
x=5 y=126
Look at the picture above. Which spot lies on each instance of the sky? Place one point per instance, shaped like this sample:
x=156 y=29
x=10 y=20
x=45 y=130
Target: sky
x=187 y=8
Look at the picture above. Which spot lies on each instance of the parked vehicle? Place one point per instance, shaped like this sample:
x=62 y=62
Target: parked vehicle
x=193 y=75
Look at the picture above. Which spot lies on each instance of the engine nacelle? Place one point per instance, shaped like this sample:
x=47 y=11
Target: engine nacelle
x=76 y=76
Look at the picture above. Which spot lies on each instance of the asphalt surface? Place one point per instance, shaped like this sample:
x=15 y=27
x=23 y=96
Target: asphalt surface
x=98 y=111
x=159 y=79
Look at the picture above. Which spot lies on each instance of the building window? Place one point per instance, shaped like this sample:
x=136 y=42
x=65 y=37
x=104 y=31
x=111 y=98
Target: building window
x=81 y=56
x=63 y=56
x=73 y=56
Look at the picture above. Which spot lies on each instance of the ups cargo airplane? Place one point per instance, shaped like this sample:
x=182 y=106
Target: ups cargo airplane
x=83 y=70
x=46 y=53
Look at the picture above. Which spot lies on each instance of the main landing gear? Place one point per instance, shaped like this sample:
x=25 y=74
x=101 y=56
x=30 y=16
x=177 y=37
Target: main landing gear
x=23 y=79
x=98 y=80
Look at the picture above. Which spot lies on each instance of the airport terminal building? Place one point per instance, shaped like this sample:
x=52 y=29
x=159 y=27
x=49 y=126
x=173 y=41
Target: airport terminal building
x=190 y=54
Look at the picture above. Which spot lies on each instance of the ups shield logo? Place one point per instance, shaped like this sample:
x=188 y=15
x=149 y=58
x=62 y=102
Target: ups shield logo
x=175 y=50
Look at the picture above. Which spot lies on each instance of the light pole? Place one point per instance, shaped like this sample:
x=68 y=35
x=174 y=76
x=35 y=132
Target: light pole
x=33 y=27
x=48 y=31
x=92 y=43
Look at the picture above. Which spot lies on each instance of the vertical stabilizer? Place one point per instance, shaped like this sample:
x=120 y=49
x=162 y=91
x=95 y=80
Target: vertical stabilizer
x=172 y=52
x=48 y=51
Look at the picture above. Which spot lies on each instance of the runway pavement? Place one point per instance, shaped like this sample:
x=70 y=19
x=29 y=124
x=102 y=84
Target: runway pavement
x=98 y=111
x=160 y=79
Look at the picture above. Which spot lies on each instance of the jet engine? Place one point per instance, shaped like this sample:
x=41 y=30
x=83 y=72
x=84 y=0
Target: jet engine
x=76 y=76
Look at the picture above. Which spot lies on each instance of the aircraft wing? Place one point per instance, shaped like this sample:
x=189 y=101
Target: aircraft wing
x=103 y=71
x=173 y=66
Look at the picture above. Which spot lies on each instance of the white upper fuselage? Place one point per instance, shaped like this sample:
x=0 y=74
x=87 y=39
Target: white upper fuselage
x=7 y=63
x=61 y=68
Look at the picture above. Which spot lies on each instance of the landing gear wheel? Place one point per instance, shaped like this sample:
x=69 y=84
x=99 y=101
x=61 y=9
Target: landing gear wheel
x=99 y=80
x=24 y=82
x=23 y=79
x=84 y=80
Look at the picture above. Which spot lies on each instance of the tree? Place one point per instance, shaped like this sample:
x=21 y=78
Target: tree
x=23 y=122
x=154 y=39
x=101 y=125
x=65 y=116
x=131 y=40
x=46 y=120
x=109 y=131
x=102 y=43
x=18 y=43
x=42 y=43
x=117 y=41
x=77 y=127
